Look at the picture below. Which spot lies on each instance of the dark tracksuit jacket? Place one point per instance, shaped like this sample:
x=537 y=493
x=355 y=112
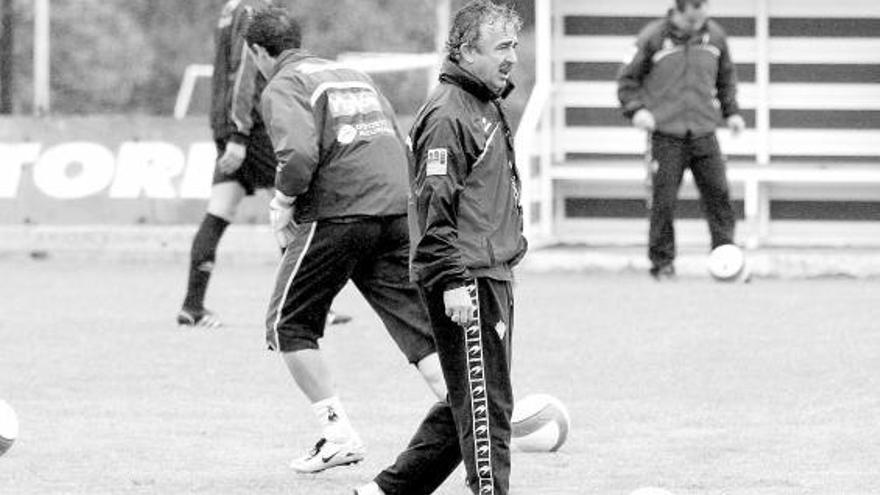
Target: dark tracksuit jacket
x=326 y=122
x=466 y=229
x=688 y=82
x=236 y=86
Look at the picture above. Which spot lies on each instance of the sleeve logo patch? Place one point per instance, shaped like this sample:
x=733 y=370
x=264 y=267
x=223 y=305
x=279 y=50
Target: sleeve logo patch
x=436 y=163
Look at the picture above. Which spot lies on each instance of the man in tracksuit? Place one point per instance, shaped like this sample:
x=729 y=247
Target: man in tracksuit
x=679 y=85
x=340 y=210
x=466 y=227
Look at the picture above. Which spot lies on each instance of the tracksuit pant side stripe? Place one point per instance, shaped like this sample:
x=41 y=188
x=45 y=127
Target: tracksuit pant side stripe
x=283 y=299
x=480 y=429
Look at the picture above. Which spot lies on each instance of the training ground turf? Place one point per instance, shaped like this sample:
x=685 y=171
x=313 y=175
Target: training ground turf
x=695 y=386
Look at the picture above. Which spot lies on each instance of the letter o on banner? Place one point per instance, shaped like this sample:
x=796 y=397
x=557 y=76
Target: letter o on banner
x=55 y=175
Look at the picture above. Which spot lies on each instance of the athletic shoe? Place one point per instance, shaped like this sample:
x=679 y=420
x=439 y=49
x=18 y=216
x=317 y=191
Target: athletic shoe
x=198 y=318
x=663 y=272
x=370 y=488
x=328 y=454
x=334 y=318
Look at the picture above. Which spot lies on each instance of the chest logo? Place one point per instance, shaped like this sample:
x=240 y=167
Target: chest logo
x=487 y=124
x=346 y=134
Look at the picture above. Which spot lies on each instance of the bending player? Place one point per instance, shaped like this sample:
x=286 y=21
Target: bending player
x=340 y=211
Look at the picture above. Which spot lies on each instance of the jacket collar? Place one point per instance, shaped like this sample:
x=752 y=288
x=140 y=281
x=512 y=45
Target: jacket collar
x=455 y=74
x=290 y=56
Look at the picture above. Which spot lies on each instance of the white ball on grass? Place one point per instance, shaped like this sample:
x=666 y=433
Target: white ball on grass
x=540 y=423
x=727 y=263
x=8 y=426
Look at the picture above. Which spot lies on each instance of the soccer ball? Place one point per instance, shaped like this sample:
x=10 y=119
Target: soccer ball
x=651 y=490
x=8 y=426
x=727 y=263
x=540 y=424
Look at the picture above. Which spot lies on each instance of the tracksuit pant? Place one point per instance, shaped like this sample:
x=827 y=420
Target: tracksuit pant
x=373 y=253
x=473 y=425
x=702 y=155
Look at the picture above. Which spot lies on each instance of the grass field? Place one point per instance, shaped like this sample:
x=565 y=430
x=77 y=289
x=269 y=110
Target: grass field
x=698 y=387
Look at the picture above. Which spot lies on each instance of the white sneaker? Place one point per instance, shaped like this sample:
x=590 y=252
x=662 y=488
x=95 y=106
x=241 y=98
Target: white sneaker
x=327 y=454
x=370 y=488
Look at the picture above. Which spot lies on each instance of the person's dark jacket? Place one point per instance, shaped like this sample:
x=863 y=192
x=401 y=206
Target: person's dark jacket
x=237 y=82
x=465 y=214
x=339 y=151
x=687 y=81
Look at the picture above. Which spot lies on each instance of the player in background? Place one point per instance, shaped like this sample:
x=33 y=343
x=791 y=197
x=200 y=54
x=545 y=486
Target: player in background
x=678 y=86
x=246 y=159
x=340 y=210
x=466 y=223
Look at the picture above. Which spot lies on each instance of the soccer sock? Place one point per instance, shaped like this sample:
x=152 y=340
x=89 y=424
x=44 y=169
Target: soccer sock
x=332 y=416
x=204 y=250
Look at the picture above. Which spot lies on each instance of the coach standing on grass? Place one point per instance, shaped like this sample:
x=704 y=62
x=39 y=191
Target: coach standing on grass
x=466 y=226
x=678 y=86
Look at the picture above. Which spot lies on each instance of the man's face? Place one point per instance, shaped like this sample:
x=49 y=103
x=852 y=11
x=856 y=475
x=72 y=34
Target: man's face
x=693 y=18
x=493 y=57
x=265 y=62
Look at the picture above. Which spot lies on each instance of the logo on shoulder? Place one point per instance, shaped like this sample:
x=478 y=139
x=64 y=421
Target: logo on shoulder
x=346 y=134
x=436 y=163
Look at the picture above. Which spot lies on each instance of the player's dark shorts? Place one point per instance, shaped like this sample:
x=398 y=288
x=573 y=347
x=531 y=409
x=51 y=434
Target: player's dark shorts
x=372 y=252
x=258 y=169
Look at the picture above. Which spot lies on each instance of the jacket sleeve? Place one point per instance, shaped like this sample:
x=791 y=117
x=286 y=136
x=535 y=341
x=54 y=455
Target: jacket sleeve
x=244 y=85
x=291 y=126
x=631 y=75
x=726 y=81
x=440 y=172
x=219 y=78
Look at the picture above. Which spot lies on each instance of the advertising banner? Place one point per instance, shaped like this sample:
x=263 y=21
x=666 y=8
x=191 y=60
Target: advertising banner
x=106 y=170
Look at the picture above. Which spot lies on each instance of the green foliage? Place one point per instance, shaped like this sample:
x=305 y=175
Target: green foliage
x=122 y=57
x=98 y=61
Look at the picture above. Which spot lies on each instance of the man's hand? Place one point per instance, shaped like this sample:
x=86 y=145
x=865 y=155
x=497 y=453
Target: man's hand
x=232 y=157
x=459 y=307
x=736 y=124
x=281 y=220
x=644 y=120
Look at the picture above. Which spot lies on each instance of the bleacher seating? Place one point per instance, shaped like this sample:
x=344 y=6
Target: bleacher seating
x=807 y=171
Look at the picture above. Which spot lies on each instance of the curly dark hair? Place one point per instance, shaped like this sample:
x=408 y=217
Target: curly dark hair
x=681 y=4
x=274 y=29
x=467 y=21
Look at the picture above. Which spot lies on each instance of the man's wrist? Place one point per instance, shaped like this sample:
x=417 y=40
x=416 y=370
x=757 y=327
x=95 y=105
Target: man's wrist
x=283 y=200
x=454 y=284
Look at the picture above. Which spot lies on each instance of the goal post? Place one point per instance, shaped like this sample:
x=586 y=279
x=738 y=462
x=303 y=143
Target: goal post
x=369 y=62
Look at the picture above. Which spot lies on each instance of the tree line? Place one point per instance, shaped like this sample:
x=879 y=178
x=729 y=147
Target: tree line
x=115 y=56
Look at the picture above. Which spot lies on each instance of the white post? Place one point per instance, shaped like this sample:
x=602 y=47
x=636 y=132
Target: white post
x=443 y=13
x=759 y=223
x=544 y=79
x=41 y=57
x=762 y=82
